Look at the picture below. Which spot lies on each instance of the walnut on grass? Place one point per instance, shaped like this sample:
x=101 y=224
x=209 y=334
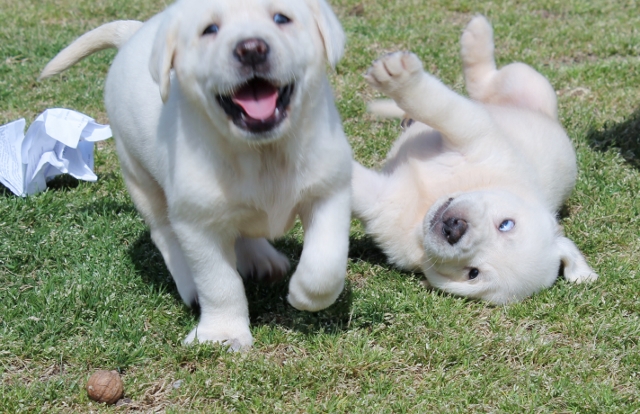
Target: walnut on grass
x=105 y=386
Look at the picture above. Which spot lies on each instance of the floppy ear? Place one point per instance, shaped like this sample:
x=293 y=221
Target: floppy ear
x=162 y=54
x=330 y=29
x=575 y=266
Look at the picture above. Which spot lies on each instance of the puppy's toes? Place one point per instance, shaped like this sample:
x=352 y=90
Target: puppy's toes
x=586 y=276
x=236 y=338
x=411 y=64
x=425 y=284
x=393 y=72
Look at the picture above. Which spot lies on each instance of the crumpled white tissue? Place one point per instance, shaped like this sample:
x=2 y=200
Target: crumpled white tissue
x=59 y=141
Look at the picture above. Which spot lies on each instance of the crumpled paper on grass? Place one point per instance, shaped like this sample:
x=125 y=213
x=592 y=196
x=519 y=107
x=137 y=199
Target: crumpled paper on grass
x=59 y=141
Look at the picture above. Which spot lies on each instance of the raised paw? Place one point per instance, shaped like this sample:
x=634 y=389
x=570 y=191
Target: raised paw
x=236 y=338
x=258 y=260
x=394 y=73
x=477 y=42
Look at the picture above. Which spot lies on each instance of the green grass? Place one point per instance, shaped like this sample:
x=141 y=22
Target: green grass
x=83 y=288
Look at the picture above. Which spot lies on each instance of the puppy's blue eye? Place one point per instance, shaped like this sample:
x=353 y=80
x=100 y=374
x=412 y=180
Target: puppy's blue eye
x=211 y=29
x=506 y=225
x=473 y=273
x=281 y=19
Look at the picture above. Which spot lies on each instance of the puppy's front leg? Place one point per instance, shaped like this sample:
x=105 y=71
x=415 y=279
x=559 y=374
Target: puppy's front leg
x=319 y=278
x=424 y=98
x=224 y=314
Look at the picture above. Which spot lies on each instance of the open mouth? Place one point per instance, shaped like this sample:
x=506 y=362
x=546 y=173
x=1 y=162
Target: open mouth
x=257 y=106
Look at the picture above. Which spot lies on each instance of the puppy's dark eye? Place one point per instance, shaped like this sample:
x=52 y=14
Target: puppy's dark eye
x=507 y=225
x=473 y=273
x=281 y=19
x=211 y=29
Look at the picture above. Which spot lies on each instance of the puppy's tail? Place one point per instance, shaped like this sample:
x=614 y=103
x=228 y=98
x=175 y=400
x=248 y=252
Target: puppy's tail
x=385 y=108
x=110 y=35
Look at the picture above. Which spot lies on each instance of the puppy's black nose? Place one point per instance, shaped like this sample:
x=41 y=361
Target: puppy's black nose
x=453 y=229
x=251 y=51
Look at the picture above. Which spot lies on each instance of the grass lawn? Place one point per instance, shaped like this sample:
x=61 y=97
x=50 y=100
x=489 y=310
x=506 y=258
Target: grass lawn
x=83 y=288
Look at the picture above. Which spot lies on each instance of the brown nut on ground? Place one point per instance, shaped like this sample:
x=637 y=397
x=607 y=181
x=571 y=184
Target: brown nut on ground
x=105 y=386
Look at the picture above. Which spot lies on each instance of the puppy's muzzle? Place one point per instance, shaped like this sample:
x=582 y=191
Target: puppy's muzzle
x=453 y=229
x=251 y=52
x=260 y=103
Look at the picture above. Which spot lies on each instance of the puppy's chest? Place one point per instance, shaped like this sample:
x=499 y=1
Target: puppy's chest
x=264 y=194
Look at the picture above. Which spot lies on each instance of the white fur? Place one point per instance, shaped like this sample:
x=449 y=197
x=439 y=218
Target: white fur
x=212 y=192
x=501 y=155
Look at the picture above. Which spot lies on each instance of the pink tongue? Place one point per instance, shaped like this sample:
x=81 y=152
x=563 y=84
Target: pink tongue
x=258 y=99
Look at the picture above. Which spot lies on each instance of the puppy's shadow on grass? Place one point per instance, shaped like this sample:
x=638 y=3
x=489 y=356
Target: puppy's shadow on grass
x=624 y=136
x=267 y=302
x=365 y=249
x=149 y=264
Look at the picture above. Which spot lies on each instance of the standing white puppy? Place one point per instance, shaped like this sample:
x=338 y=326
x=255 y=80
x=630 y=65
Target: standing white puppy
x=470 y=192
x=226 y=130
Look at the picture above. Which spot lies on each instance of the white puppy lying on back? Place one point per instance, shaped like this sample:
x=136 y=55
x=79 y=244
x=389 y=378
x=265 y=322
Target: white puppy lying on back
x=226 y=130
x=469 y=192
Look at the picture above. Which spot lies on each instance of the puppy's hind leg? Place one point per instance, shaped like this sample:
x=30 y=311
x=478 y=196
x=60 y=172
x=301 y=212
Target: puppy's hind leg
x=516 y=84
x=477 y=56
x=258 y=260
x=151 y=203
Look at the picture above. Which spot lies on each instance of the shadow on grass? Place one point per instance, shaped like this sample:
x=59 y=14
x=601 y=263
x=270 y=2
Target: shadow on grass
x=5 y=192
x=59 y=183
x=149 y=264
x=365 y=249
x=62 y=182
x=625 y=136
x=107 y=207
x=267 y=302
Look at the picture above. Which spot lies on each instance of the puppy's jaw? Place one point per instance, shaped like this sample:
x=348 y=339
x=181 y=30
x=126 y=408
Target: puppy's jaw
x=256 y=102
x=511 y=268
x=495 y=286
x=477 y=288
x=258 y=107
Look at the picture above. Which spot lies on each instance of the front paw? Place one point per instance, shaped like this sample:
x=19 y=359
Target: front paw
x=394 y=73
x=312 y=290
x=585 y=275
x=237 y=337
